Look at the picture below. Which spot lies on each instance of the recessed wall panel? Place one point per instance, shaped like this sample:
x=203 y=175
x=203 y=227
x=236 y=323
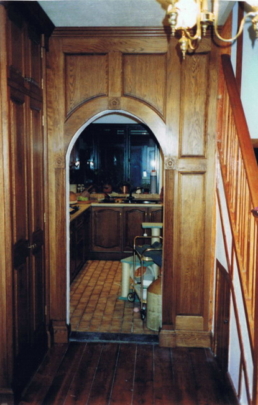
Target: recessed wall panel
x=191 y=243
x=194 y=96
x=86 y=77
x=144 y=77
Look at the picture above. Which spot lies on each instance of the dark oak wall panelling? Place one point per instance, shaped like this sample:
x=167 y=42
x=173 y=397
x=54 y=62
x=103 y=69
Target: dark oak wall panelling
x=86 y=77
x=191 y=202
x=27 y=174
x=23 y=317
x=138 y=80
x=139 y=72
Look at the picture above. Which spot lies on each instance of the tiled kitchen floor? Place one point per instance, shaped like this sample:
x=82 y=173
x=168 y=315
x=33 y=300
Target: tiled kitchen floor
x=94 y=303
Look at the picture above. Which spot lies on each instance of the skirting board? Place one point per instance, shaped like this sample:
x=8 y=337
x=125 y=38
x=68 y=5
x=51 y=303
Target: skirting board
x=179 y=338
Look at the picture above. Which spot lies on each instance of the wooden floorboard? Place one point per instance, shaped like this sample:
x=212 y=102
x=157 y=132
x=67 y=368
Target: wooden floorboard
x=45 y=375
x=103 y=381
x=183 y=384
x=123 y=383
x=80 y=387
x=89 y=373
x=164 y=392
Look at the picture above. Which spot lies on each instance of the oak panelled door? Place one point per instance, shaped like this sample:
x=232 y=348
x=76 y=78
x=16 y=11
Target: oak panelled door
x=26 y=160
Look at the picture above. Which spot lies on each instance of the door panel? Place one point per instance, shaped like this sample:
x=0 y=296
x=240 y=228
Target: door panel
x=133 y=219
x=27 y=163
x=38 y=281
x=21 y=302
x=36 y=223
x=20 y=223
x=222 y=305
x=107 y=229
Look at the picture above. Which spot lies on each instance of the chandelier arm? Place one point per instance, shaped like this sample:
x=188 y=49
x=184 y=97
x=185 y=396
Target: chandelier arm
x=196 y=37
x=250 y=14
x=192 y=46
x=237 y=35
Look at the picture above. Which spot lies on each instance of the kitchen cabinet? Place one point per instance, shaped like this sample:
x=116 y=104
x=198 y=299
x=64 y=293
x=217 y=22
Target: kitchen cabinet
x=155 y=214
x=87 y=234
x=106 y=229
x=79 y=242
x=133 y=218
x=132 y=221
x=114 y=229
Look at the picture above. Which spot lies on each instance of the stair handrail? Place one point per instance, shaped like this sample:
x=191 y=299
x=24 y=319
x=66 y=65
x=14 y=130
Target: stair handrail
x=241 y=126
x=240 y=178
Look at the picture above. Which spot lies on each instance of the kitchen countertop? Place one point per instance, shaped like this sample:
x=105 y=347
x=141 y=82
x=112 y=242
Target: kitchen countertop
x=100 y=204
x=83 y=207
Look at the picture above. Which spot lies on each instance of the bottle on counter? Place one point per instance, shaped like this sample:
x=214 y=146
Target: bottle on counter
x=153 y=182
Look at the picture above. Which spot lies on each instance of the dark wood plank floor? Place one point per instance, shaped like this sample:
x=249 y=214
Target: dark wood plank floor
x=127 y=374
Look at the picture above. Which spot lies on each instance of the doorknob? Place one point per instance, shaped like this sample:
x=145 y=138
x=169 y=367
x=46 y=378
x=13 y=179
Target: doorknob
x=32 y=246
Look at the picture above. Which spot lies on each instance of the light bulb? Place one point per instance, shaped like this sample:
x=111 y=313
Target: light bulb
x=187 y=14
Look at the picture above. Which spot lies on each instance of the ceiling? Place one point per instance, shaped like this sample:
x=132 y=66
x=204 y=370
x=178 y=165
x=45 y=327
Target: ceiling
x=114 y=13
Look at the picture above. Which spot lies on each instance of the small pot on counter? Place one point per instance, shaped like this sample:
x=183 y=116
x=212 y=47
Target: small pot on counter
x=124 y=189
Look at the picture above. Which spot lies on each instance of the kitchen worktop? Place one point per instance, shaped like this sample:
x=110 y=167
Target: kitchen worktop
x=97 y=202
x=121 y=204
x=82 y=208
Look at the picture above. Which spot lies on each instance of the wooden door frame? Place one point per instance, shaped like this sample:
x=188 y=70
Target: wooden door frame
x=58 y=206
x=73 y=140
x=66 y=122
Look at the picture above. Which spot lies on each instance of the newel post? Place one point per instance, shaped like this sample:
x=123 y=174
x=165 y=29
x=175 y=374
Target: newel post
x=168 y=303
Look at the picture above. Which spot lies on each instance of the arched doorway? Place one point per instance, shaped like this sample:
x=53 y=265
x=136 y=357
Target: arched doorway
x=108 y=117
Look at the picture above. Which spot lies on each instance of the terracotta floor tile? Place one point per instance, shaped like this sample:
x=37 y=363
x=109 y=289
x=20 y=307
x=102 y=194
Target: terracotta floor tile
x=126 y=329
x=95 y=306
x=84 y=300
x=107 y=317
x=84 y=324
x=87 y=317
x=75 y=320
x=81 y=305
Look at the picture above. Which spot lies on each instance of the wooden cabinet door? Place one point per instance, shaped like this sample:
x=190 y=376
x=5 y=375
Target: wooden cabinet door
x=26 y=161
x=106 y=229
x=87 y=234
x=133 y=219
x=79 y=242
x=72 y=251
x=156 y=214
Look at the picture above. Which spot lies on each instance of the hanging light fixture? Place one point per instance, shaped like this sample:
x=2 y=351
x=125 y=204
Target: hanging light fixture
x=185 y=15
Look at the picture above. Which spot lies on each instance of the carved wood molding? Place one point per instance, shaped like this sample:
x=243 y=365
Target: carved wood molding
x=59 y=161
x=111 y=31
x=114 y=103
x=170 y=162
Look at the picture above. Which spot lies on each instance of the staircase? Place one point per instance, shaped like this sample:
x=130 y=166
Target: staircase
x=239 y=173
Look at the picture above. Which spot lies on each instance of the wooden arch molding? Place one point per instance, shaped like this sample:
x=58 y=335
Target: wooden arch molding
x=101 y=106
x=74 y=125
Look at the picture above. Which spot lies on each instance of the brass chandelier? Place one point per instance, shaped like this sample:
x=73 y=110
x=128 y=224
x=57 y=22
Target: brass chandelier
x=185 y=15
